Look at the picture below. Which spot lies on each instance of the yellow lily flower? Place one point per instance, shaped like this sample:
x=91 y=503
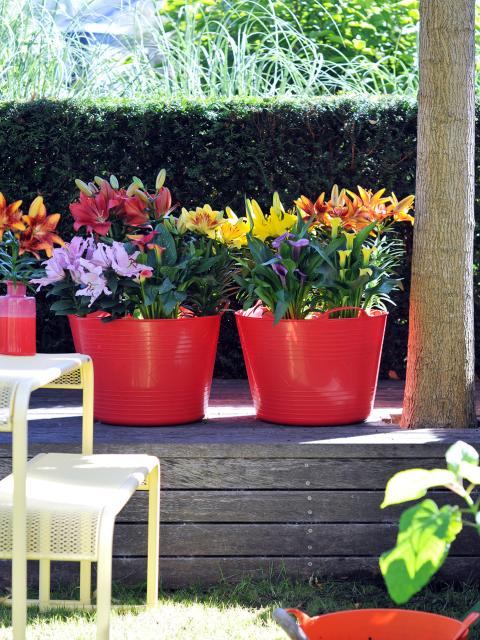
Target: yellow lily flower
x=233 y=231
x=255 y=213
x=204 y=220
x=275 y=224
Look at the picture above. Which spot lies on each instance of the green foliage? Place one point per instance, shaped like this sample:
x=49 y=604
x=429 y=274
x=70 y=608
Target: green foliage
x=215 y=152
x=207 y=48
x=425 y=531
x=378 y=29
x=307 y=270
x=423 y=542
x=15 y=267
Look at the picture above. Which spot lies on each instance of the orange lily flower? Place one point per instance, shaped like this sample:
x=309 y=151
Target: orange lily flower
x=322 y=211
x=399 y=210
x=10 y=216
x=38 y=234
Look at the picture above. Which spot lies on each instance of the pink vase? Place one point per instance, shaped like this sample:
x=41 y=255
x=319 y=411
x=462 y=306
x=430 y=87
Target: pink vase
x=17 y=322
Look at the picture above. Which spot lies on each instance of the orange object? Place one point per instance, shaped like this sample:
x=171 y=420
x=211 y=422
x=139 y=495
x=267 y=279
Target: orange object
x=383 y=624
x=17 y=322
x=149 y=372
x=321 y=371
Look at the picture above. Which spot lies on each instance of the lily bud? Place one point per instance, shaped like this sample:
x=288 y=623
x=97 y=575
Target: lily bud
x=98 y=180
x=160 y=181
x=143 y=196
x=277 y=205
x=114 y=182
x=132 y=189
x=83 y=187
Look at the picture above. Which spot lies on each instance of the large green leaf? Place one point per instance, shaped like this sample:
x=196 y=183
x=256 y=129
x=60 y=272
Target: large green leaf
x=414 y=483
x=362 y=236
x=260 y=252
x=459 y=453
x=470 y=472
x=165 y=239
x=424 y=538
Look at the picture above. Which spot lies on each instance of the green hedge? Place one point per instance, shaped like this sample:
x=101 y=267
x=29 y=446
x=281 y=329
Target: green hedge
x=214 y=152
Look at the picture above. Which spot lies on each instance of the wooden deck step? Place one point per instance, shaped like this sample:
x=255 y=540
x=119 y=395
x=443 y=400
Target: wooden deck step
x=242 y=497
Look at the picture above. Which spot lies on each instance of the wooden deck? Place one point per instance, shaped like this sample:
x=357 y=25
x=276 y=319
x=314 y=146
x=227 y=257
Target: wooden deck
x=240 y=496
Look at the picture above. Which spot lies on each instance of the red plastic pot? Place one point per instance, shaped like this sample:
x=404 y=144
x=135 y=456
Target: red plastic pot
x=375 y=624
x=149 y=372
x=321 y=371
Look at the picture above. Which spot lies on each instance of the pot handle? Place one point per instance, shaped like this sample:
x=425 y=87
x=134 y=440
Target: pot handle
x=288 y=624
x=361 y=312
x=468 y=622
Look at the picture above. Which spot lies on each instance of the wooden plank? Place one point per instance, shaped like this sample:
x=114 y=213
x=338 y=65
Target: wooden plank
x=225 y=540
x=183 y=572
x=280 y=473
x=241 y=440
x=277 y=473
x=269 y=506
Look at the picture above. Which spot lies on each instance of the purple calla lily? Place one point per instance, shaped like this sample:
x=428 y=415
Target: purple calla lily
x=297 y=246
x=281 y=271
x=301 y=276
x=278 y=241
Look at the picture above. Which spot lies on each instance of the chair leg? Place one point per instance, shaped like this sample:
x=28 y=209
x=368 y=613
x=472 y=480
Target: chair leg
x=104 y=580
x=19 y=520
x=87 y=419
x=44 y=583
x=85 y=582
x=153 y=536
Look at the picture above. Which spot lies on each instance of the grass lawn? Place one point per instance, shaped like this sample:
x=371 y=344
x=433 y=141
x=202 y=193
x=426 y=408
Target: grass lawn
x=234 y=612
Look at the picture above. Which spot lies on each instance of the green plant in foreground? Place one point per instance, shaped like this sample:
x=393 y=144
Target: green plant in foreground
x=427 y=531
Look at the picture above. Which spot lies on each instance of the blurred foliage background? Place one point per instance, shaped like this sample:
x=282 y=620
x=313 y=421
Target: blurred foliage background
x=230 y=96
x=206 y=48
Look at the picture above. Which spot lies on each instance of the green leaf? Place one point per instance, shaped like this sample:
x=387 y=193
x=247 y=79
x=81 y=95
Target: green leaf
x=424 y=538
x=165 y=287
x=165 y=239
x=258 y=249
x=459 y=453
x=414 y=483
x=61 y=305
x=362 y=236
x=470 y=472
x=280 y=309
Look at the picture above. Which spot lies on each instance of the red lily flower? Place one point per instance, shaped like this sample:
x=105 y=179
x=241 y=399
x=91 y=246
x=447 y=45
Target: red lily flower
x=162 y=202
x=93 y=211
x=142 y=241
x=38 y=234
x=134 y=210
x=10 y=216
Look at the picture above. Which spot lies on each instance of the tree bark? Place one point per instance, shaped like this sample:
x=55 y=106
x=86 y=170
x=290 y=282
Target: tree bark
x=440 y=370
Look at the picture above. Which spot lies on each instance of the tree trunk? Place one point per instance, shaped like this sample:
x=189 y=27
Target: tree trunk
x=440 y=370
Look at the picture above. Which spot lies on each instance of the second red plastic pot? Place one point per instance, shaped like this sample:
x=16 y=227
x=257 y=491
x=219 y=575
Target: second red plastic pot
x=321 y=371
